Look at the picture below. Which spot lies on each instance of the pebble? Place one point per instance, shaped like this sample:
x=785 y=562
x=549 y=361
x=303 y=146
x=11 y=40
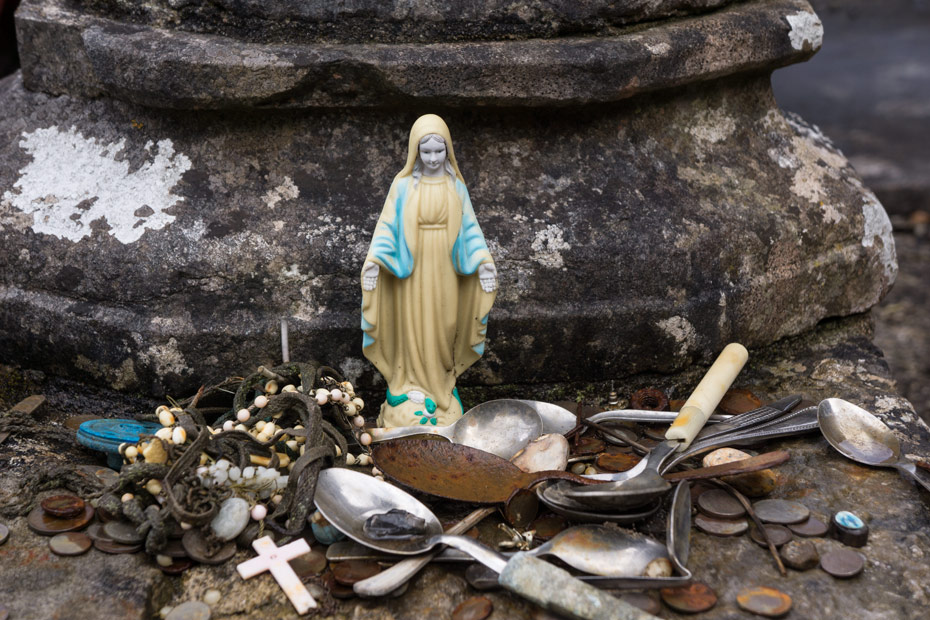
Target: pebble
x=191 y=610
x=122 y=532
x=4 y=533
x=720 y=527
x=778 y=534
x=70 y=543
x=545 y=453
x=843 y=563
x=212 y=597
x=781 y=511
x=196 y=548
x=353 y=571
x=752 y=484
x=63 y=506
x=308 y=565
x=47 y=525
x=720 y=504
x=690 y=599
x=763 y=601
x=474 y=608
x=231 y=519
x=800 y=555
x=812 y=528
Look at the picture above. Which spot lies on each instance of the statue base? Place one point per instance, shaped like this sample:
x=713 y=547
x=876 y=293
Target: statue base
x=414 y=407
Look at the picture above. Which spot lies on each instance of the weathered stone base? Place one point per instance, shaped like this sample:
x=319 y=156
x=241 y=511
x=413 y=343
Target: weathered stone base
x=836 y=359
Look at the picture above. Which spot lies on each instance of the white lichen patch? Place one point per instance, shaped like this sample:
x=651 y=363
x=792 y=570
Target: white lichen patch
x=547 y=247
x=681 y=331
x=166 y=358
x=353 y=367
x=831 y=215
x=285 y=191
x=713 y=126
x=658 y=49
x=806 y=29
x=877 y=224
x=73 y=182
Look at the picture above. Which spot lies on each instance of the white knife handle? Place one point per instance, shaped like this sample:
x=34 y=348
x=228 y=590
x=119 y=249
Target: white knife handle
x=707 y=395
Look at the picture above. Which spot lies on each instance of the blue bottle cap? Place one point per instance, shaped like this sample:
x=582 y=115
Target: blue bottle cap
x=107 y=435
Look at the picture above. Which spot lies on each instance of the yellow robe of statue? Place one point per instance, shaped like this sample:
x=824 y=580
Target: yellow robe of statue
x=425 y=322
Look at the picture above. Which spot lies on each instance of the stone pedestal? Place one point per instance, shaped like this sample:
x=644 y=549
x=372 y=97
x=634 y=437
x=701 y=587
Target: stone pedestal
x=172 y=187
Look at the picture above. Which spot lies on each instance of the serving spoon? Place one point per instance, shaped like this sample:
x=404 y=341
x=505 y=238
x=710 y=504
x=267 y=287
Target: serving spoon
x=861 y=436
x=347 y=499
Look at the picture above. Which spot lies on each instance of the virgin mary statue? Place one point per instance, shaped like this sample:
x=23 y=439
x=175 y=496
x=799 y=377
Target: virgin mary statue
x=428 y=284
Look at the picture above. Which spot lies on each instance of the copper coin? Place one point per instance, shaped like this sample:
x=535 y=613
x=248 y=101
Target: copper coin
x=762 y=601
x=720 y=527
x=198 y=550
x=308 y=565
x=47 y=525
x=174 y=549
x=778 y=534
x=738 y=400
x=617 y=461
x=690 y=599
x=70 y=543
x=587 y=445
x=123 y=532
x=63 y=506
x=474 y=608
x=95 y=531
x=811 y=528
x=4 y=533
x=177 y=567
x=781 y=511
x=109 y=546
x=648 y=602
x=105 y=516
x=843 y=563
x=548 y=526
x=352 y=571
x=336 y=589
x=720 y=504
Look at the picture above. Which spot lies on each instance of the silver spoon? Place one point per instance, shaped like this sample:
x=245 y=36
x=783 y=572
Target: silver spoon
x=604 y=551
x=347 y=499
x=501 y=427
x=862 y=437
x=643 y=484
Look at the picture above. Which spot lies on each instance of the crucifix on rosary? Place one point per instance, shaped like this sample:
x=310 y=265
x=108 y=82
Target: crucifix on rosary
x=275 y=559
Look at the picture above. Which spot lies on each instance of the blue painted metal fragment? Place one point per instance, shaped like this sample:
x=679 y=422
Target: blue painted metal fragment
x=107 y=435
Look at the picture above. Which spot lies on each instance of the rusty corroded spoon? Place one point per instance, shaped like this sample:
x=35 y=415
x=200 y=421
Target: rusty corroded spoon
x=501 y=427
x=348 y=498
x=862 y=437
x=458 y=472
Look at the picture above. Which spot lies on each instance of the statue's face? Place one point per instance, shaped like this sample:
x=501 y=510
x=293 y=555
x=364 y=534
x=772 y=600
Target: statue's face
x=433 y=156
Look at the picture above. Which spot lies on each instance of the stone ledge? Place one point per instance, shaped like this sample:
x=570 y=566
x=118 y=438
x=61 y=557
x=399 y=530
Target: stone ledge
x=65 y=51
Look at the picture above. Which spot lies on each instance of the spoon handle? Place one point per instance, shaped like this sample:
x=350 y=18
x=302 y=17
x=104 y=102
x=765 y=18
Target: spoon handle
x=555 y=589
x=745 y=466
x=399 y=432
x=554 y=474
x=392 y=578
x=906 y=467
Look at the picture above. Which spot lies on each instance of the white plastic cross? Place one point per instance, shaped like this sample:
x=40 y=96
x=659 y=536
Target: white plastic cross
x=276 y=560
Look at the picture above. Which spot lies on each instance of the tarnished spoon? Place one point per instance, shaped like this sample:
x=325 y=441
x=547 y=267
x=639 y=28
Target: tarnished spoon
x=347 y=499
x=501 y=427
x=862 y=437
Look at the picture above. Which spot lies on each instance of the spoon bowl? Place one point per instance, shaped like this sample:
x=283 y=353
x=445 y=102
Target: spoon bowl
x=502 y=427
x=604 y=551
